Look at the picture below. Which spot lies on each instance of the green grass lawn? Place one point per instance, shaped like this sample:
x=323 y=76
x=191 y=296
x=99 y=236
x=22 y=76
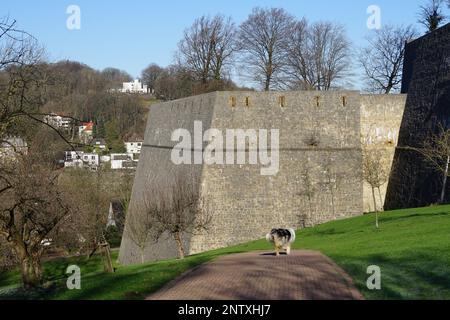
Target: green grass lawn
x=412 y=248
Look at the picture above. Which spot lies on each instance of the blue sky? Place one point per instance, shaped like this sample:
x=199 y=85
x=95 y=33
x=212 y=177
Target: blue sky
x=131 y=34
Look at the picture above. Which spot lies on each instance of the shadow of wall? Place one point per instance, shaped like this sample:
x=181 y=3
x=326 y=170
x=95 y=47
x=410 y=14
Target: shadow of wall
x=426 y=80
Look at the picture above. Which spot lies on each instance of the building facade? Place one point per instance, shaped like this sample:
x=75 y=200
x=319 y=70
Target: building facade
x=134 y=87
x=59 y=121
x=80 y=159
x=123 y=161
x=134 y=147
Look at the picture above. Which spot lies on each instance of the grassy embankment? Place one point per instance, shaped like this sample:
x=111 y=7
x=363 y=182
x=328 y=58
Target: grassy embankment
x=412 y=247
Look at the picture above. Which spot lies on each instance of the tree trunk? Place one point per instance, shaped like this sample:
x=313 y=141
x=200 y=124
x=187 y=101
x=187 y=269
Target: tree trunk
x=30 y=265
x=444 y=183
x=267 y=85
x=376 y=220
x=107 y=258
x=375 y=207
x=31 y=271
x=179 y=241
x=381 y=199
x=142 y=255
x=332 y=200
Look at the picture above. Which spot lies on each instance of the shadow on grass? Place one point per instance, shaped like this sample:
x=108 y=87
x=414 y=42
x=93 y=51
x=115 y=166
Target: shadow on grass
x=415 y=275
x=415 y=215
x=329 y=232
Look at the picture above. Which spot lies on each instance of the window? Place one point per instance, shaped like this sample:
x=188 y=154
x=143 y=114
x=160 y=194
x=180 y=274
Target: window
x=233 y=101
x=317 y=101
x=282 y=101
x=344 y=101
x=247 y=101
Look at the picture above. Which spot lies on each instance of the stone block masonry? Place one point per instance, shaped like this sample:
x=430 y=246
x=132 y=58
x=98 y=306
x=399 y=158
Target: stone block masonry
x=320 y=169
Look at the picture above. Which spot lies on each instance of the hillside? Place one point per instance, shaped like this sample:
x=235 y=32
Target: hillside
x=412 y=248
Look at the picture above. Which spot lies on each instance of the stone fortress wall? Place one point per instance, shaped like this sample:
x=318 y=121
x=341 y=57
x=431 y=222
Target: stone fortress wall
x=381 y=118
x=320 y=174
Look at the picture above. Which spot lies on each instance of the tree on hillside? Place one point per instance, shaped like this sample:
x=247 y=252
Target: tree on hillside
x=22 y=80
x=207 y=47
x=32 y=208
x=140 y=227
x=308 y=191
x=382 y=59
x=375 y=174
x=115 y=77
x=150 y=74
x=436 y=151
x=431 y=15
x=331 y=181
x=90 y=195
x=178 y=211
x=262 y=40
x=112 y=137
x=174 y=83
x=318 y=55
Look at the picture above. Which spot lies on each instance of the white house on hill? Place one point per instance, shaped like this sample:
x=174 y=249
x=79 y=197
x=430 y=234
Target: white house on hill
x=134 y=87
x=134 y=147
x=120 y=161
x=79 y=159
x=58 y=121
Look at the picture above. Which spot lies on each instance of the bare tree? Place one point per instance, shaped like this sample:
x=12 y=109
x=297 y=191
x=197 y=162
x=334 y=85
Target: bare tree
x=21 y=81
x=125 y=188
x=90 y=196
x=299 y=57
x=173 y=83
x=140 y=226
x=181 y=211
x=382 y=59
x=24 y=82
x=318 y=55
x=262 y=39
x=436 y=151
x=207 y=47
x=115 y=77
x=375 y=174
x=150 y=74
x=308 y=191
x=431 y=15
x=32 y=208
x=331 y=181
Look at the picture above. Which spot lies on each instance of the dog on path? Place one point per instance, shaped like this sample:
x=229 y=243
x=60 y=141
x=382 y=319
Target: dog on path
x=282 y=239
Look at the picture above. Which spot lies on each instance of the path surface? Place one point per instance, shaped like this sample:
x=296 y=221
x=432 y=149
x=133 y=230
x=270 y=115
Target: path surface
x=304 y=275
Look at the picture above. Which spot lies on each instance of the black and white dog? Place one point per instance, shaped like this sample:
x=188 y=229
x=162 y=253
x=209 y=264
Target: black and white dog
x=282 y=239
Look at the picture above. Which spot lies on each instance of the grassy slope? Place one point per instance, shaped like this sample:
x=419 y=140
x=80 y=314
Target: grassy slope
x=412 y=248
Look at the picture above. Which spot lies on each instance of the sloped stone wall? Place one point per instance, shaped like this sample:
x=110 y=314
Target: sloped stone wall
x=320 y=171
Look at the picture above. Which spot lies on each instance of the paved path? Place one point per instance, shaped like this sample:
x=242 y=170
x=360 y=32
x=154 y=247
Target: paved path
x=304 y=275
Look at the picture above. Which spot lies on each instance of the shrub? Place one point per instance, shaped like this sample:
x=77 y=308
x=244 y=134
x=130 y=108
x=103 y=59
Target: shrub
x=113 y=236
